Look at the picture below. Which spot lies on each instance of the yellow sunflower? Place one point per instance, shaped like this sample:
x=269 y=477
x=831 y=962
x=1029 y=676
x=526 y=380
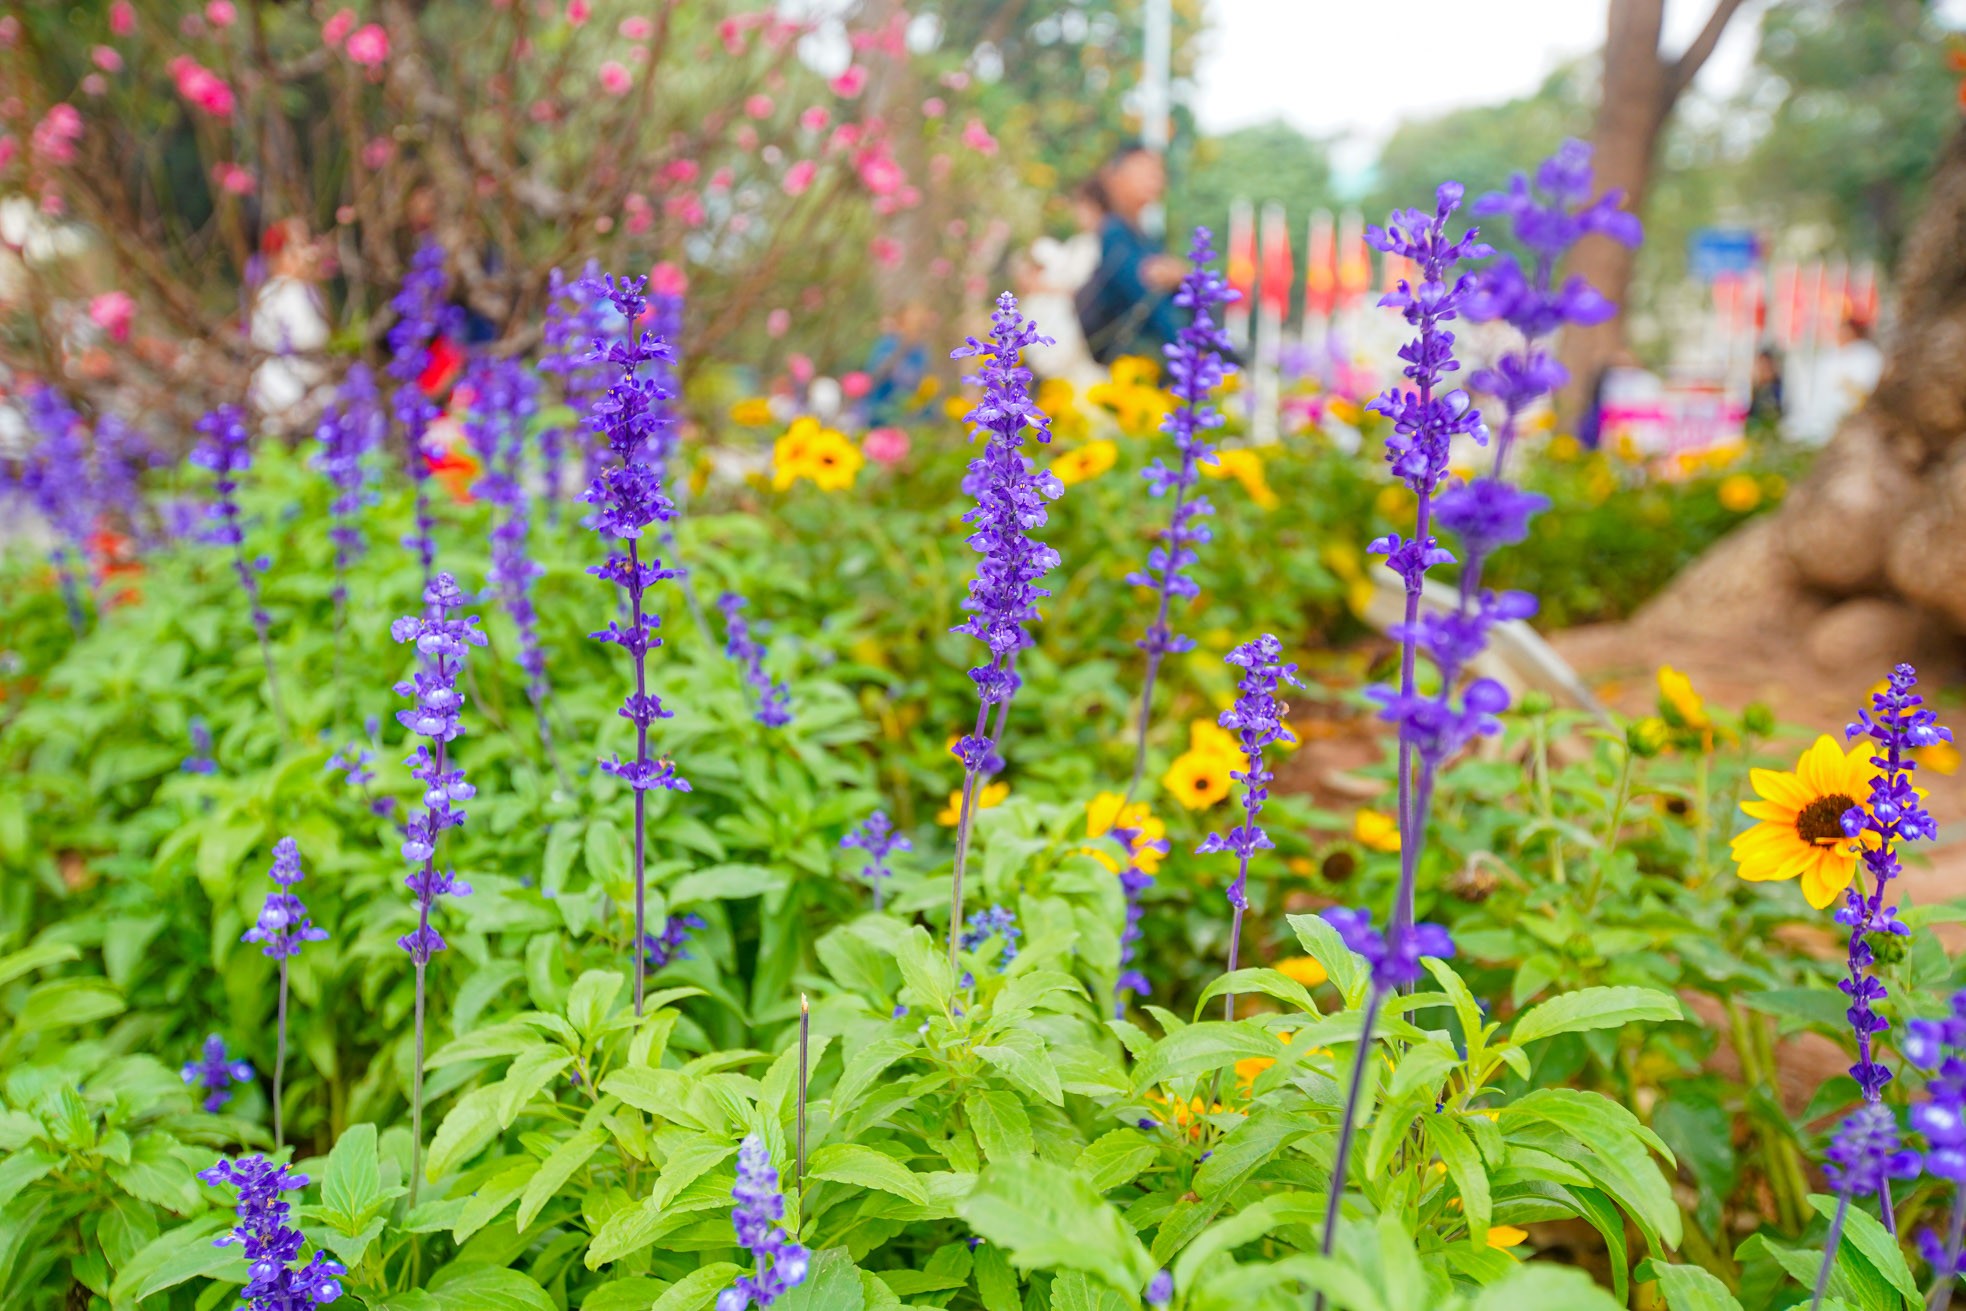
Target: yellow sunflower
x=1246 y=467
x=1209 y=736
x=987 y=796
x=1199 y=779
x=1108 y=811
x=1303 y=969
x=1085 y=462
x=821 y=455
x=752 y=412
x=1801 y=832
x=1679 y=703
x=1376 y=830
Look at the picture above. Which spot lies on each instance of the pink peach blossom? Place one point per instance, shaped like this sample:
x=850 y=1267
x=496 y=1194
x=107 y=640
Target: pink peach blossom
x=778 y=322
x=815 y=119
x=800 y=367
x=542 y=111
x=369 y=45
x=978 y=138
x=9 y=30
x=721 y=180
x=378 y=152
x=107 y=59
x=681 y=171
x=640 y=215
x=122 y=18
x=885 y=446
x=845 y=137
x=886 y=251
x=759 y=106
x=202 y=87
x=113 y=312
x=941 y=266
x=578 y=12
x=232 y=179
x=798 y=178
x=221 y=13
x=956 y=81
x=615 y=80
x=745 y=138
x=636 y=29
x=739 y=224
x=855 y=385
x=686 y=208
x=934 y=107
x=880 y=174
x=850 y=83
x=95 y=84
x=604 y=224
x=55 y=135
x=337 y=28
x=8 y=149
x=732 y=35
x=668 y=279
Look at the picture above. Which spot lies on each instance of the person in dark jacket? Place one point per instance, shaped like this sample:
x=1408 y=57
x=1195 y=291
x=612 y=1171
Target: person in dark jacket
x=1126 y=307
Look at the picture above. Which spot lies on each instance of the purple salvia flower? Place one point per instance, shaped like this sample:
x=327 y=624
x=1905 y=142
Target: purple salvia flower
x=779 y=1264
x=216 y=1072
x=200 y=760
x=1134 y=882
x=121 y=456
x=421 y=314
x=1160 y=1289
x=997 y=923
x=1864 y=1157
x=226 y=452
x=350 y=428
x=270 y=1242
x=774 y=698
x=1010 y=504
x=1395 y=959
x=573 y=321
x=56 y=481
x=283 y=925
x=1195 y=369
x=1257 y=721
x=441 y=645
x=879 y=840
x=660 y=949
x=628 y=499
x=1938 y=1047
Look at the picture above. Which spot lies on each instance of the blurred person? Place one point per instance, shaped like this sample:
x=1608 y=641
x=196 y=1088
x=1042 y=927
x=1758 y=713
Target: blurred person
x=1844 y=379
x=1058 y=269
x=1765 y=392
x=289 y=322
x=1126 y=306
x=898 y=365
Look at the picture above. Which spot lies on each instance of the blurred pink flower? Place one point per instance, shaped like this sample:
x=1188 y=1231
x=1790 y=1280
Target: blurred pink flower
x=201 y=86
x=114 y=312
x=955 y=81
x=640 y=215
x=8 y=149
x=739 y=224
x=636 y=29
x=232 y=179
x=885 y=446
x=941 y=266
x=800 y=368
x=978 y=138
x=542 y=111
x=934 y=107
x=855 y=385
x=106 y=58
x=668 y=279
x=879 y=173
x=122 y=18
x=759 y=106
x=95 y=84
x=885 y=250
x=378 y=151
x=220 y=13
x=845 y=137
x=682 y=171
x=55 y=135
x=778 y=322
x=799 y=177
x=578 y=12
x=9 y=30
x=604 y=224
x=813 y=299
x=615 y=79
x=731 y=33
x=850 y=83
x=335 y=29
x=369 y=45
x=746 y=138
x=815 y=119
x=686 y=208
x=721 y=180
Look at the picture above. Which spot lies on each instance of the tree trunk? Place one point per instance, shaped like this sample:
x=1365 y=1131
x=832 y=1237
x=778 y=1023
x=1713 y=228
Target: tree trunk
x=1882 y=515
x=1640 y=87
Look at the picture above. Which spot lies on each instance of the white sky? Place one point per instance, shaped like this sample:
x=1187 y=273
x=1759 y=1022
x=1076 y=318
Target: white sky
x=1355 y=68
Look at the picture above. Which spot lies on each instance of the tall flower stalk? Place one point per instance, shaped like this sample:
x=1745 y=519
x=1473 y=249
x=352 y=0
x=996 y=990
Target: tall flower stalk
x=504 y=397
x=1938 y=1047
x=779 y=1264
x=269 y=1240
x=573 y=321
x=1011 y=496
x=1195 y=369
x=877 y=839
x=227 y=452
x=282 y=926
x=349 y=430
x=1898 y=725
x=1864 y=1157
x=627 y=496
x=56 y=480
x=441 y=645
x=774 y=698
x=1256 y=719
x=420 y=313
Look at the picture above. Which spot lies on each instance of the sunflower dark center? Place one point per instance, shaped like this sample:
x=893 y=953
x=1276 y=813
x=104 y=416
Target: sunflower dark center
x=1821 y=821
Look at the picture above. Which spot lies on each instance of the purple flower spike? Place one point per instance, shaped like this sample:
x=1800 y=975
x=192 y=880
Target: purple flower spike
x=660 y=949
x=216 y=1072
x=56 y=481
x=1394 y=957
x=779 y=1264
x=877 y=837
x=421 y=316
x=1160 y=1290
x=1257 y=721
x=1195 y=369
x=774 y=698
x=226 y=452
x=271 y=1244
x=628 y=500
x=283 y=921
x=997 y=923
x=349 y=430
x=573 y=321
x=1011 y=496
x=200 y=760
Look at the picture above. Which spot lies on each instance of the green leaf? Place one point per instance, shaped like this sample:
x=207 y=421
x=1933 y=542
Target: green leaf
x=23 y=1168
x=1344 y=967
x=589 y=1000
x=1116 y=1158
x=1540 y=1287
x=1266 y=981
x=471 y=1124
x=1818 y=1006
x=1021 y=1055
x=556 y=1170
x=725 y=883
x=1593 y=1008
x=1463 y=1162
x=850 y=1163
x=491 y=1198
x=351 y=1182
x=37 y=957
x=69 y=1003
x=155 y=1173
x=864 y=1066
x=832 y=1283
x=698 y=1288
x=635 y=1293
x=1002 y=1128
x=1616 y=1156
x=1072 y=1291
x=1689 y=1288
x=1047 y=1217
x=925 y=971
x=186 y=1252
x=1207 y=1046
x=996 y=1286
x=474 y=1287
x=1864 y=1232
x=531 y=1071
